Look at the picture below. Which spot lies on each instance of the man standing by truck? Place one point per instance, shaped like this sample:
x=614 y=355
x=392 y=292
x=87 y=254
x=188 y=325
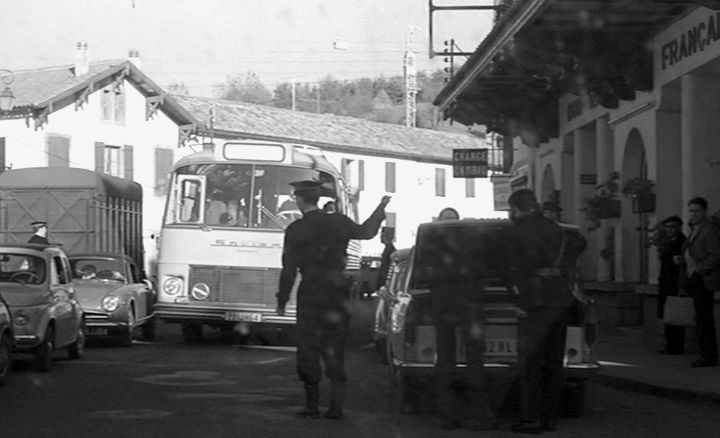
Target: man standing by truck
x=316 y=246
x=40 y=232
x=544 y=294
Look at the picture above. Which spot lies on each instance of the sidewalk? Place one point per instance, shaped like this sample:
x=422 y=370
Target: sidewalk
x=628 y=363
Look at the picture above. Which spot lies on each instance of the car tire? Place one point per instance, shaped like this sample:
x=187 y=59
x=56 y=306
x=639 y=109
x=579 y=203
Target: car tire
x=43 y=352
x=5 y=358
x=77 y=348
x=575 y=392
x=148 y=329
x=192 y=332
x=126 y=335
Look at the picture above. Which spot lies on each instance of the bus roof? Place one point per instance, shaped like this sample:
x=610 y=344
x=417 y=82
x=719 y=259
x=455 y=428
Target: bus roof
x=303 y=156
x=41 y=178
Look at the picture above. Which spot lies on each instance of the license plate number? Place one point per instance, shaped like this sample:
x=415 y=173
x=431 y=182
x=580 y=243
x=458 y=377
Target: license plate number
x=97 y=331
x=243 y=317
x=500 y=347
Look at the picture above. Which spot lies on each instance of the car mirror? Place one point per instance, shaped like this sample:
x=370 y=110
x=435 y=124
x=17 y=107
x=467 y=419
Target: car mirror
x=148 y=283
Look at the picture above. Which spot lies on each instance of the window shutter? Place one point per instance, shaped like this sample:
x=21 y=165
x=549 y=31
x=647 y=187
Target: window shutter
x=470 y=187
x=390 y=177
x=119 y=102
x=439 y=182
x=390 y=219
x=3 y=165
x=99 y=157
x=128 y=162
x=163 y=164
x=58 y=150
x=361 y=174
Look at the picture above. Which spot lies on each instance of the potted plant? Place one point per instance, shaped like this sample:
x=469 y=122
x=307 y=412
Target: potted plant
x=643 y=198
x=604 y=205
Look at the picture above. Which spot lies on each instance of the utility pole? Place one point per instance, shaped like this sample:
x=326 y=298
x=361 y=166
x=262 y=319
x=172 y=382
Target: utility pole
x=410 y=81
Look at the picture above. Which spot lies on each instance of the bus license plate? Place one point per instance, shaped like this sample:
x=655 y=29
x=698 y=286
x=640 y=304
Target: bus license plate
x=500 y=347
x=243 y=316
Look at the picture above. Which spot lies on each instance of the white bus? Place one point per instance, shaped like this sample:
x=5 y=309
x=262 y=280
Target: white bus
x=220 y=248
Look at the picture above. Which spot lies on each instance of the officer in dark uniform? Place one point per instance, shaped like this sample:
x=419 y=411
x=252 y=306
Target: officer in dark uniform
x=316 y=246
x=543 y=288
x=40 y=230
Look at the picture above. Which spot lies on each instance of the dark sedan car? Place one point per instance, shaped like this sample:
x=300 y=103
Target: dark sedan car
x=6 y=340
x=115 y=296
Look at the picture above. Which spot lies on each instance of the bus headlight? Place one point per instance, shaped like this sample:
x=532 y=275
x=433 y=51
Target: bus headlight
x=200 y=291
x=110 y=303
x=172 y=285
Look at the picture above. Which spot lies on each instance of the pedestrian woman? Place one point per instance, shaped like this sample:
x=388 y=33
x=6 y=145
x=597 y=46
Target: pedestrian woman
x=670 y=253
x=315 y=245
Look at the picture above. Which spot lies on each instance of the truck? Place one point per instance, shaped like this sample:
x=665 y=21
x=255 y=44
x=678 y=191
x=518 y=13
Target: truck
x=85 y=211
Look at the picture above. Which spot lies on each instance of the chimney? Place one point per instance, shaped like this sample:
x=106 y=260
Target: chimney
x=134 y=57
x=82 y=59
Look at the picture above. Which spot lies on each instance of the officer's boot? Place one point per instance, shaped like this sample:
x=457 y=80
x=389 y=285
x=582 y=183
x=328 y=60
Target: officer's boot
x=337 y=393
x=312 y=401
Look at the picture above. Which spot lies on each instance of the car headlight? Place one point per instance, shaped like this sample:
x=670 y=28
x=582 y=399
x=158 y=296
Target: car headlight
x=21 y=317
x=172 y=285
x=200 y=291
x=110 y=303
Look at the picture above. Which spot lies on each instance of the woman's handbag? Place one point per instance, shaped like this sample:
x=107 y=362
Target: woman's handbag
x=679 y=311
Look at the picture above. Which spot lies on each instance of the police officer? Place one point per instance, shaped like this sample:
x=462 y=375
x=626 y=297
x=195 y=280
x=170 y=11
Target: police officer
x=544 y=293
x=315 y=246
x=40 y=231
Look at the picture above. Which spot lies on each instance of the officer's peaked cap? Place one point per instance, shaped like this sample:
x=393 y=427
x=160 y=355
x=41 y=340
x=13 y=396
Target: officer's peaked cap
x=672 y=220
x=309 y=187
x=38 y=224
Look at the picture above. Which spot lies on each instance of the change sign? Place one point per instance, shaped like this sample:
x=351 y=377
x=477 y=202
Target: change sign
x=470 y=163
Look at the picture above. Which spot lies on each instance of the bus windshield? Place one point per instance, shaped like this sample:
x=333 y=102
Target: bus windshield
x=241 y=195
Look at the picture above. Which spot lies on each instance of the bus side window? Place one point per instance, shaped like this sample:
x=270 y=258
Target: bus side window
x=190 y=200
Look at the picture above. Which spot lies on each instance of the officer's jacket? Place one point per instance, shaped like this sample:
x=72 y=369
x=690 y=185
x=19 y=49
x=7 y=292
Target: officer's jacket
x=316 y=244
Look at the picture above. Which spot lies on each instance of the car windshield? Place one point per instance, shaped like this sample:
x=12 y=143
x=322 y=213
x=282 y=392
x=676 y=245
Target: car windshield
x=22 y=268
x=97 y=269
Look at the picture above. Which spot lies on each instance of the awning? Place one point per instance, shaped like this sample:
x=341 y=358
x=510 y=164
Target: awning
x=540 y=49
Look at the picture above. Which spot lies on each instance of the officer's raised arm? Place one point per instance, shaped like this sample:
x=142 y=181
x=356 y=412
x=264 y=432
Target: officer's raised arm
x=371 y=226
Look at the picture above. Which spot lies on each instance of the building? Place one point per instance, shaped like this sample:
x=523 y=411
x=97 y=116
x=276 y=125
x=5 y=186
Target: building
x=615 y=101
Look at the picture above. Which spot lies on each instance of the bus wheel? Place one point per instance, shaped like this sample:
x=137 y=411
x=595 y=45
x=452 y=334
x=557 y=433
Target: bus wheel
x=192 y=332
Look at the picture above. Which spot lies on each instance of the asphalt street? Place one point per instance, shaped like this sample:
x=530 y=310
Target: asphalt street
x=220 y=388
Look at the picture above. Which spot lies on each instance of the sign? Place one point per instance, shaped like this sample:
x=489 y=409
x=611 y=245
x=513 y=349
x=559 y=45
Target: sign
x=470 y=163
x=501 y=192
x=691 y=40
x=588 y=179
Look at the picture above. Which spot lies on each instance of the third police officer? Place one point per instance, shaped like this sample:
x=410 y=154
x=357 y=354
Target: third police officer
x=315 y=245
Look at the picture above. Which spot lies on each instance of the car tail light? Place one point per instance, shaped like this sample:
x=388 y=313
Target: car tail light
x=21 y=318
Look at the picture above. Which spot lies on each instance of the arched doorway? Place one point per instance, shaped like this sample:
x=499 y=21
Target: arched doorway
x=634 y=226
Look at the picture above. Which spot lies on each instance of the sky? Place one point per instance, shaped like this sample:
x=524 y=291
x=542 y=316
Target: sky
x=201 y=42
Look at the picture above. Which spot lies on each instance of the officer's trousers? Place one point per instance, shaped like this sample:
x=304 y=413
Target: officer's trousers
x=322 y=336
x=542 y=353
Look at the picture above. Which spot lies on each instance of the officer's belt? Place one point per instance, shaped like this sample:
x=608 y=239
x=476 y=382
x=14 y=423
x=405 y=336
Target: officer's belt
x=548 y=272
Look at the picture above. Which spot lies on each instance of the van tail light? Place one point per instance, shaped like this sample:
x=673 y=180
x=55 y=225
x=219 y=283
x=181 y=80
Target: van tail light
x=411 y=323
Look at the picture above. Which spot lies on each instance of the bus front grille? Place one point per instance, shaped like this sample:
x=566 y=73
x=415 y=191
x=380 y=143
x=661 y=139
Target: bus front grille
x=238 y=285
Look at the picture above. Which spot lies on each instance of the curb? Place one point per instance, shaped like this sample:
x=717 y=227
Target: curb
x=679 y=394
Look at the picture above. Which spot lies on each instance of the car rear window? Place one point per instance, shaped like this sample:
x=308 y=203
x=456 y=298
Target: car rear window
x=460 y=253
x=22 y=268
x=97 y=269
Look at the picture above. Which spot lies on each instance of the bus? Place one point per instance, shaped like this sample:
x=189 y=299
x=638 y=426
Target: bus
x=220 y=246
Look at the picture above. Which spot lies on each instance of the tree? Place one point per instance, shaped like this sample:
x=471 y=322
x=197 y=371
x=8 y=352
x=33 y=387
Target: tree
x=248 y=89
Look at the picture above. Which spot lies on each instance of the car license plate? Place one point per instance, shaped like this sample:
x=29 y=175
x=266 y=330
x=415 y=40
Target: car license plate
x=243 y=316
x=501 y=347
x=97 y=331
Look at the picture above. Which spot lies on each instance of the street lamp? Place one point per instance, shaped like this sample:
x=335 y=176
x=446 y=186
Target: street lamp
x=6 y=96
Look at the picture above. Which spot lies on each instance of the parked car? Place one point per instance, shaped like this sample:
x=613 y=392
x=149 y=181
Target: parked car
x=385 y=296
x=114 y=295
x=6 y=340
x=36 y=283
x=473 y=245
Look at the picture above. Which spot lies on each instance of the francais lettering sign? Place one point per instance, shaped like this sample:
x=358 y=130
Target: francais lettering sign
x=695 y=38
x=470 y=163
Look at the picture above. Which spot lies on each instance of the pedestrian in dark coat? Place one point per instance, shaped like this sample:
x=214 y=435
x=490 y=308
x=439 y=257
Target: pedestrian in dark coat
x=40 y=231
x=700 y=277
x=387 y=235
x=315 y=246
x=670 y=249
x=544 y=294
